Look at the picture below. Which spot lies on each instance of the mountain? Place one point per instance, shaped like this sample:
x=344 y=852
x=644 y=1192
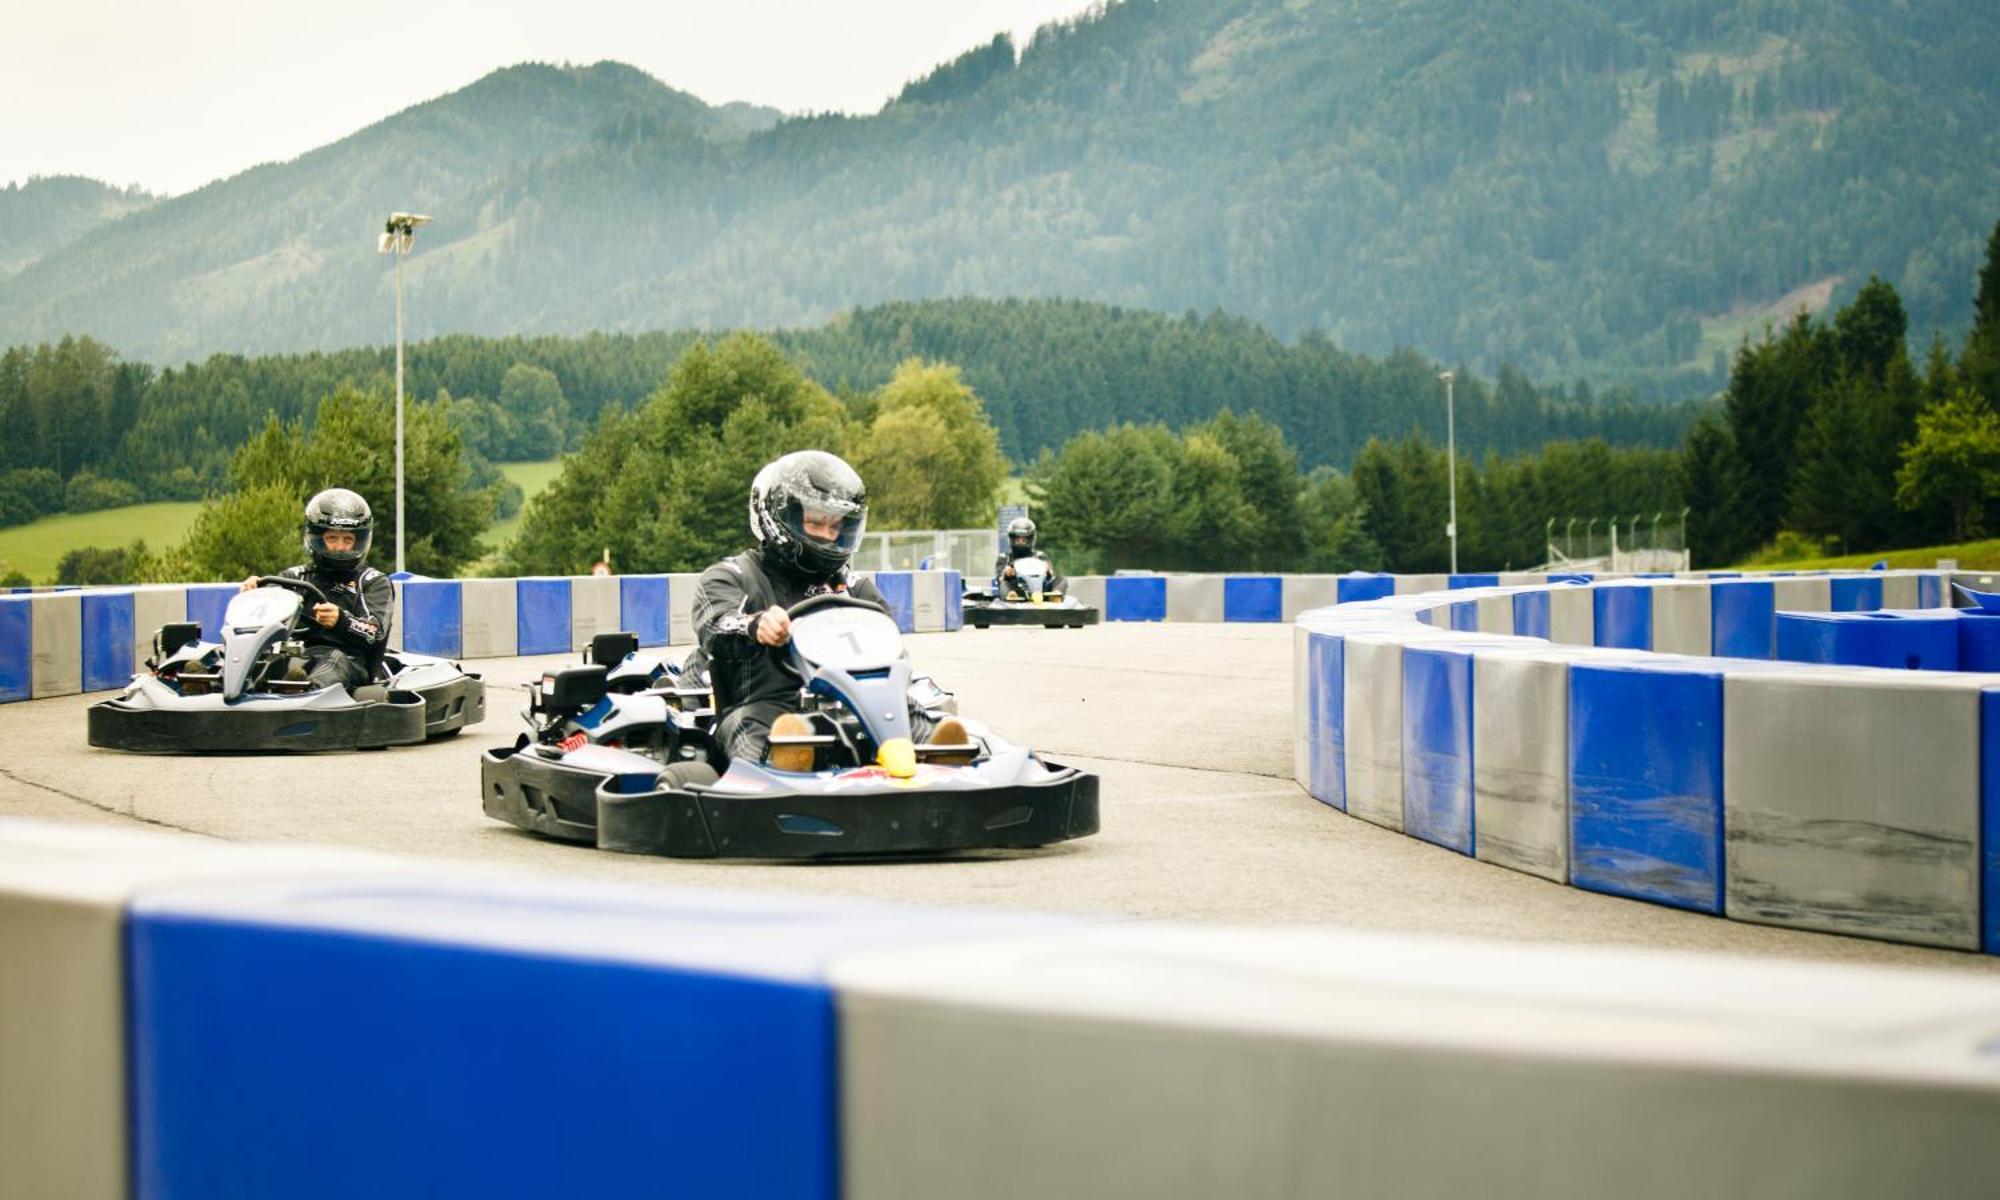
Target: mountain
x=48 y=211
x=1621 y=189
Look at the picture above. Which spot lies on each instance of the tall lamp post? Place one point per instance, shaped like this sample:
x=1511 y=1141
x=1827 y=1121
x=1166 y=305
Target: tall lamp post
x=1451 y=465
x=399 y=237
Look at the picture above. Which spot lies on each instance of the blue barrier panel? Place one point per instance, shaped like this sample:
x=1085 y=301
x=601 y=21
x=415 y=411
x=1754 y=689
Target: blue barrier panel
x=1978 y=639
x=1725 y=574
x=899 y=592
x=643 y=608
x=1253 y=598
x=1465 y=616
x=1531 y=614
x=954 y=600
x=1350 y=588
x=1326 y=715
x=1856 y=593
x=1428 y=617
x=424 y=1039
x=1741 y=619
x=1624 y=617
x=541 y=616
x=1437 y=747
x=205 y=602
x=434 y=616
x=1989 y=820
x=1930 y=591
x=1472 y=581
x=1135 y=598
x=1645 y=755
x=1912 y=640
x=107 y=640
x=17 y=648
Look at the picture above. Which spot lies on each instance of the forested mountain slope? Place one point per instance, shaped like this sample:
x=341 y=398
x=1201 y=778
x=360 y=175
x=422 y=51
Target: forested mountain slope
x=48 y=212
x=1615 y=188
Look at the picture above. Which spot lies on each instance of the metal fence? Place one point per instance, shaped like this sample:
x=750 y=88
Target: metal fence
x=1640 y=542
x=970 y=552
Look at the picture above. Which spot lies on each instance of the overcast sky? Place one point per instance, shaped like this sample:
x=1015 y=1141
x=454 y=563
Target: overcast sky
x=171 y=94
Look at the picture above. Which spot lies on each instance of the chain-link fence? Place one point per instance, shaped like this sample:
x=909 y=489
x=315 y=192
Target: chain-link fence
x=1639 y=542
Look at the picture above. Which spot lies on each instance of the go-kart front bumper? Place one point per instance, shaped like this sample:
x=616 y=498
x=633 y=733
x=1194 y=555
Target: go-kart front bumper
x=261 y=725
x=821 y=819
x=1049 y=616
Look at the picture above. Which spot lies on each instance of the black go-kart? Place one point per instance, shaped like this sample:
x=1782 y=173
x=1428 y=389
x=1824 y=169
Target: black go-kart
x=248 y=692
x=1029 y=597
x=621 y=754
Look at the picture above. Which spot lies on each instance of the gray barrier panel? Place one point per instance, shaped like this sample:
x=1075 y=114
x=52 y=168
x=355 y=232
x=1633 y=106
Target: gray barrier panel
x=1303 y=593
x=593 y=608
x=1194 y=598
x=1175 y=1063
x=1373 y=706
x=927 y=600
x=1520 y=761
x=1572 y=616
x=1805 y=593
x=152 y=607
x=1301 y=706
x=680 y=600
x=1417 y=585
x=57 y=640
x=63 y=1104
x=1681 y=619
x=1899 y=590
x=1496 y=615
x=1088 y=590
x=488 y=624
x=1852 y=803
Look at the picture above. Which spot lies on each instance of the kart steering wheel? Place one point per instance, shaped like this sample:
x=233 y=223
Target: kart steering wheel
x=813 y=604
x=306 y=589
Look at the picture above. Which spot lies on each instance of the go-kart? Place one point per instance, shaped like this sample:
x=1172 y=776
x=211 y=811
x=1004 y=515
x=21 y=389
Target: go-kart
x=1028 y=597
x=248 y=692
x=642 y=772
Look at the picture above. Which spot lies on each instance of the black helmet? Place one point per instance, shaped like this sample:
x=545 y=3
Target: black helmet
x=1020 y=535
x=808 y=510
x=337 y=510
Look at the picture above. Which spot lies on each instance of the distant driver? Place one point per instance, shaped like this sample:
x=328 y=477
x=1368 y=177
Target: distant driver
x=1021 y=544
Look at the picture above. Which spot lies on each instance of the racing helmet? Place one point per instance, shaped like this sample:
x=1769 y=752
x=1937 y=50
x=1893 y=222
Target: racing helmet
x=808 y=511
x=1020 y=536
x=337 y=510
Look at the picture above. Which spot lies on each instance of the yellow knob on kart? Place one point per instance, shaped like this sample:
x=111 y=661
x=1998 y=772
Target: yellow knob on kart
x=898 y=757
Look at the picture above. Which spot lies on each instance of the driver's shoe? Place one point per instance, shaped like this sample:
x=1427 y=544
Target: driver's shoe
x=952 y=732
x=791 y=758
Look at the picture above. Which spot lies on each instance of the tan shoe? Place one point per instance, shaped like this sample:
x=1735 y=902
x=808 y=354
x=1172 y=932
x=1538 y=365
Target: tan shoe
x=791 y=758
x=952 y=732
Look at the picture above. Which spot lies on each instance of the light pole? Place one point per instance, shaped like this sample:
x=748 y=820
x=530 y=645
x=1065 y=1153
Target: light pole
x=399 y=237
x=1451 y=466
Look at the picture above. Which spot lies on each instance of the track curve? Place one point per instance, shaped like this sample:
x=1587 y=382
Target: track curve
x=1189 y=727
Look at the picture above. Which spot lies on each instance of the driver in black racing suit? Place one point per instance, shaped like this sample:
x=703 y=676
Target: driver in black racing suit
x=350 y=631
x=1021 y=544
x=807 y=512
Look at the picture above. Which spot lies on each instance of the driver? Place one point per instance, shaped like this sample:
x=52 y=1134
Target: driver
x=807 y=512
x=1021 y=544
x=350 y=629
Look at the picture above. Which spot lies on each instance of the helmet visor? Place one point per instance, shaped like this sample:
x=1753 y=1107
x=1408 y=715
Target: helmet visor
x=337 y=545
x=828 y=525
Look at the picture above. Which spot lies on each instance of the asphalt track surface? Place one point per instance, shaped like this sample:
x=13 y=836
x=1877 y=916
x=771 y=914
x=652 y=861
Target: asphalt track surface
x=1188 y=726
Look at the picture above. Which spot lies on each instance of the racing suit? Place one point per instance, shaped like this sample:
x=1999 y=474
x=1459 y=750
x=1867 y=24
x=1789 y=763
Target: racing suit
x=1003 y=587
x=753 y=682
x=348 y=653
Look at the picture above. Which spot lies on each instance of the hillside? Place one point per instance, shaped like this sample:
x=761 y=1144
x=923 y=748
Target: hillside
x=1611 y=188
x=44 y=214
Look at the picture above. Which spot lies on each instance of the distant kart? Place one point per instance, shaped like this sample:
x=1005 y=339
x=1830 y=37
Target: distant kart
x=1028 y=598
x=640 y=771
x=247 y=692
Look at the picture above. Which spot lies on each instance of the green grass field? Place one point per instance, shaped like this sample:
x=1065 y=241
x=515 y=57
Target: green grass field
x=1971 y=556
x=532 y=477
x=34 y=549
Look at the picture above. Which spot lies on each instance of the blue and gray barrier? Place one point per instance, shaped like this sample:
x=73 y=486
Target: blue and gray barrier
x=57 y=643
x=1599 y=739
x=183 y=1017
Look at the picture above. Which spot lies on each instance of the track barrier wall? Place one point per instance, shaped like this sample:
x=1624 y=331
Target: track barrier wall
x=187 y=1017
